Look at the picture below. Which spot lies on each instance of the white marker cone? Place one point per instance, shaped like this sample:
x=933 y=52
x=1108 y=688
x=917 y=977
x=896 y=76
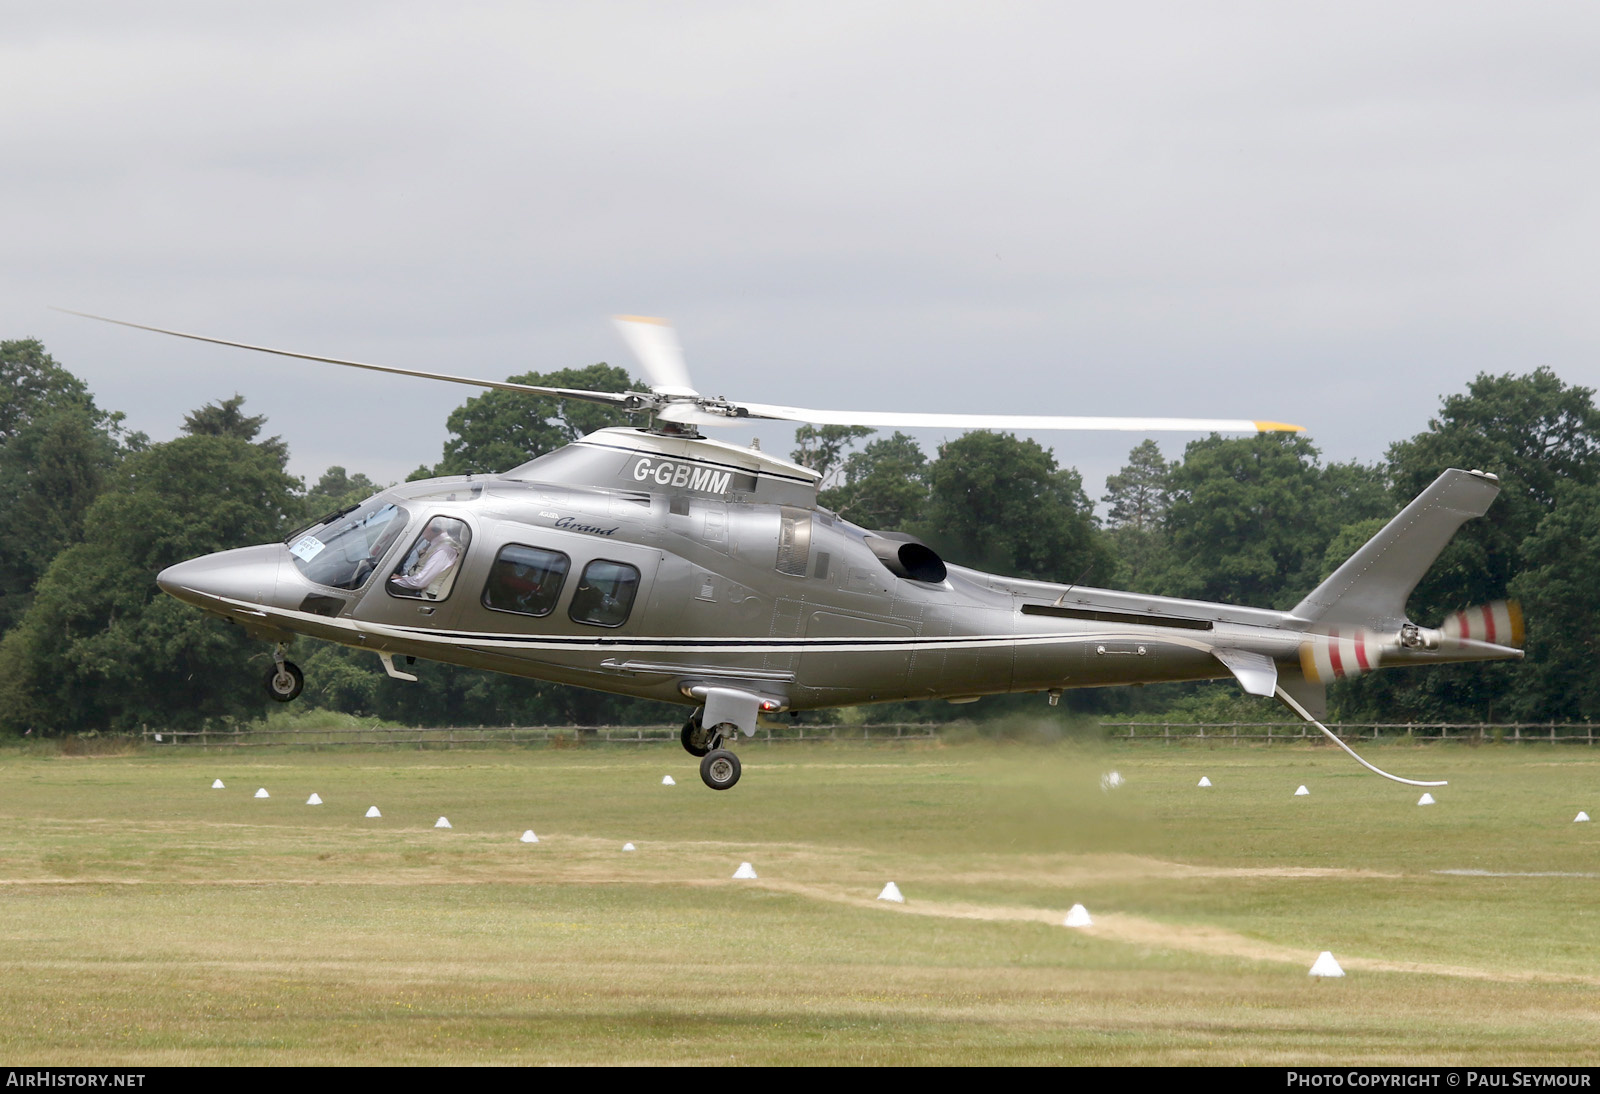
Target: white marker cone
x=1302 y=792
x=1078 y=916
x=1581 y=817
x=372 y=811
x=529 y=837
x=262 y=793
x=1203 y=781
x=1426 y=799
x=629 y=847
x=218 y=785
x=442 y=822
x=668 y=780
x=745 y=870
x=1326 y=966
x=891 y=891
x=313 y=799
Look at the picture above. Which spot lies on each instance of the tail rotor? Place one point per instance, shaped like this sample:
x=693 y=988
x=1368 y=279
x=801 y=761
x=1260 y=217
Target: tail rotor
x=1498 y=623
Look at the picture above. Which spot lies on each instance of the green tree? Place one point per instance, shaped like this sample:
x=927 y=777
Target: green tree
x=822 y=448
x=1251 y=517
x=1136 y=496
x=1542 y=438
x=498 y=430
x=1001 y=504
x=883 y=486
x=55 y=448
x=30 y=382
x=100 y=648
x=336 y=490
x=228 y=419
x=1561 y=598
x=1533 y=431
x=51 y=470
x=1137 y=499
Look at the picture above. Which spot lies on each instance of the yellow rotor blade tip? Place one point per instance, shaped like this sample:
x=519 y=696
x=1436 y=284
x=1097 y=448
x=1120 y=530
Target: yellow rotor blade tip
x=1279 y=427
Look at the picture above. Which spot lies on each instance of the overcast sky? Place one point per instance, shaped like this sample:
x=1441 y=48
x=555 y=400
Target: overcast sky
x=1329 y=214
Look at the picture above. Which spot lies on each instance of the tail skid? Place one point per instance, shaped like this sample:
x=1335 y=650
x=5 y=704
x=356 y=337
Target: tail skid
x=1288 y=701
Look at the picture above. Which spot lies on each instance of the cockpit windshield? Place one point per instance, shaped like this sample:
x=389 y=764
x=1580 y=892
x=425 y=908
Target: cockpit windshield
x=344 y=551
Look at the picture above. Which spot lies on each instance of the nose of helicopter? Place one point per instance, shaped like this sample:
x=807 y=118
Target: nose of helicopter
x=249 y=574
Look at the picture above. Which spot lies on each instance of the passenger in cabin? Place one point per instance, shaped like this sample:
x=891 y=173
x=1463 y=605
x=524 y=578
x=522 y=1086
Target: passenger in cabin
x=594 y=604
x=433 y=566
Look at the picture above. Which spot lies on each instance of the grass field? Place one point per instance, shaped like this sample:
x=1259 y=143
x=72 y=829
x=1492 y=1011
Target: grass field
x=151 y=919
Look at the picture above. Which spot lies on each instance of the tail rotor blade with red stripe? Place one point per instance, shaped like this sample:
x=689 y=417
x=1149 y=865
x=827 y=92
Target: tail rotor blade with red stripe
x=1499 y=623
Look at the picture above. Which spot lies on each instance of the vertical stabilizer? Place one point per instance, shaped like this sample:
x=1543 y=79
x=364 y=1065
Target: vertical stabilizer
x=1371 y=588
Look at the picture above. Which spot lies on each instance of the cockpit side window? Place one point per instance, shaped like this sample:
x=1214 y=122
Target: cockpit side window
x=525 y=580
x=428 y=570
x=344 y=552
x=605 y=593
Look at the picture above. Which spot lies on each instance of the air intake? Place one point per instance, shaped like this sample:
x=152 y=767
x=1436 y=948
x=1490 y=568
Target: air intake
x=908 y=557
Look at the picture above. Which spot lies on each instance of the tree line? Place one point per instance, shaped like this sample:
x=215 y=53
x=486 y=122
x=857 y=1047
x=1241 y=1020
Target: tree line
x=93 y=511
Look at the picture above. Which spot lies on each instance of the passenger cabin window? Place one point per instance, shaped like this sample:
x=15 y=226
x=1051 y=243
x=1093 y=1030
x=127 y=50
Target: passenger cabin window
x=605 y=593
x=525 y=580
x=429 y=568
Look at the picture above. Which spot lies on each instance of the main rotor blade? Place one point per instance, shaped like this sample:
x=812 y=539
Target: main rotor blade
x=610 y=398
x=655 y=344
x=1024 y=422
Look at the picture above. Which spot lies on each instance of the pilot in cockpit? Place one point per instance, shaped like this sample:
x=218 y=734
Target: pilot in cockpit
x=434 y=563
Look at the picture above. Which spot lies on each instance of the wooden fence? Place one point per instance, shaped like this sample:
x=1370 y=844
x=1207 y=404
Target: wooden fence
x=1514 y=732
x=502 y=736
x=585 y=736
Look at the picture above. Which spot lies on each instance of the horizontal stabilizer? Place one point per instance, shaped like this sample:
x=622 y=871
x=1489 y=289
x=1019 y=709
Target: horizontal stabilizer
x=1371 y=588
x=1256 y=672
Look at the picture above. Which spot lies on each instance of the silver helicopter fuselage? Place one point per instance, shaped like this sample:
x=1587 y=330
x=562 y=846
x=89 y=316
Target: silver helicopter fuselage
x=751 y=598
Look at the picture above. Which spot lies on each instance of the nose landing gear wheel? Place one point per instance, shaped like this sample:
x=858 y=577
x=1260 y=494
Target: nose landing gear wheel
x=720 y=769
x=285 y=684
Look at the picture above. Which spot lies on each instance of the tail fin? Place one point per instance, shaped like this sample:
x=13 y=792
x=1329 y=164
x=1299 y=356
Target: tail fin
x=1371 y=588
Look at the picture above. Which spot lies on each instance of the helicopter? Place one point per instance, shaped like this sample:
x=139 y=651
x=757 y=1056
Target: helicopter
x=654 y=561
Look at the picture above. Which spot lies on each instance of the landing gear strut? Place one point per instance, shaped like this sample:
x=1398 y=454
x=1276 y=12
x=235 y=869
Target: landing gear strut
x=697 y=739
x=285 y=681
x=729 y=712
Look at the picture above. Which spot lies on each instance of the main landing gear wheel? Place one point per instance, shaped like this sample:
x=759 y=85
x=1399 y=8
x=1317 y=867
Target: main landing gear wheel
x=285 y=682
x=720 y=769
x=697 y=739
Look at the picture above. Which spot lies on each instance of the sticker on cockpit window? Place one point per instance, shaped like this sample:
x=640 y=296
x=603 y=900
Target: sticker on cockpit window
x=307 y=549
